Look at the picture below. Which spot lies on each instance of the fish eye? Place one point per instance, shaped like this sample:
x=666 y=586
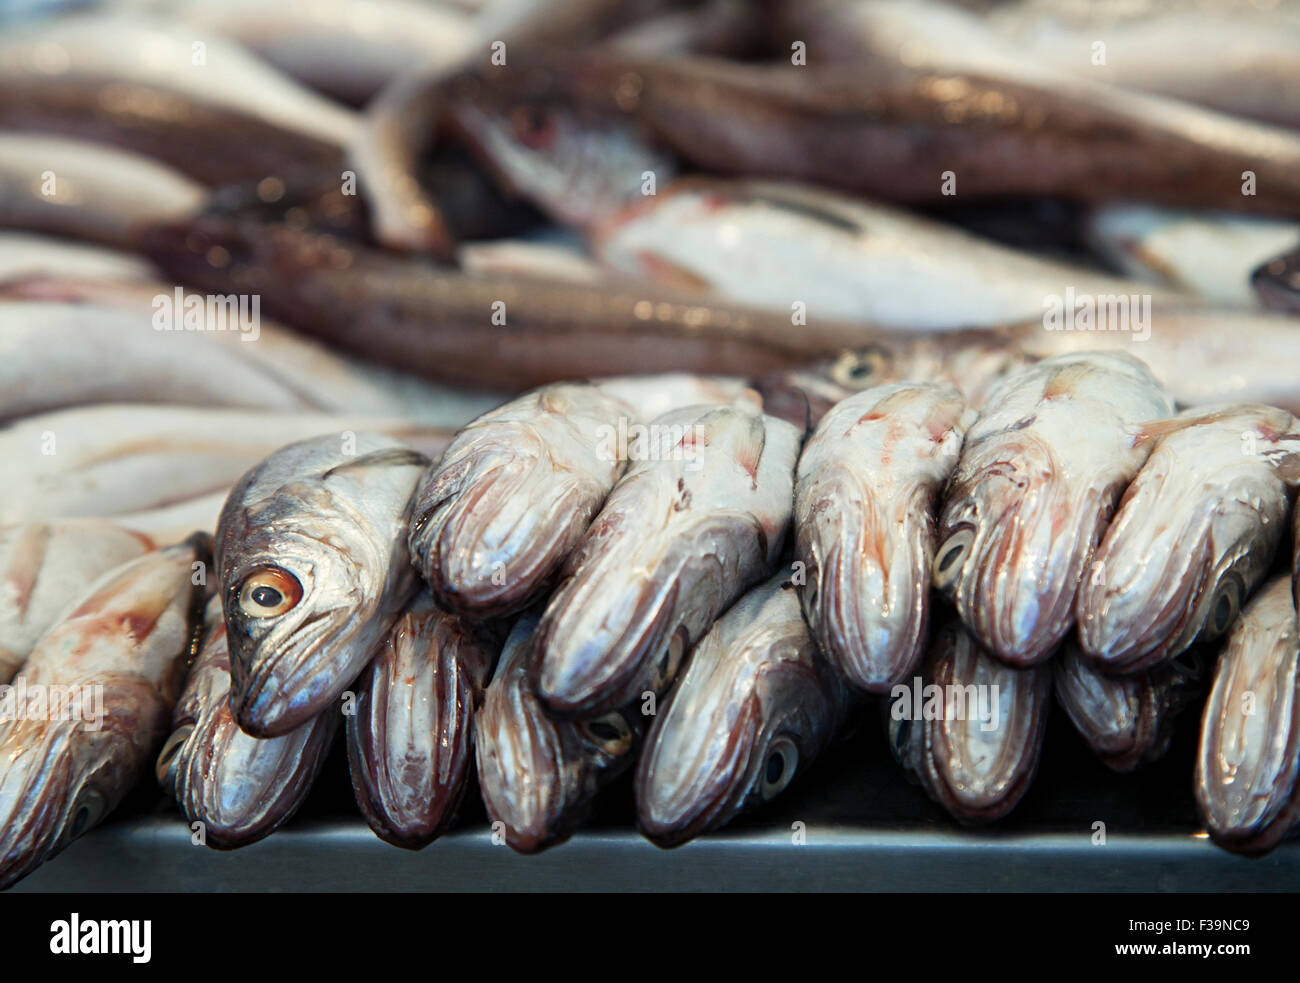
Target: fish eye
x=610 y=733
x=857 y=369
x=533 y=126
x=89 y=810
x=900 y=732
x=779 y=767
x=269 y=592
x=1224 y=608
x=951 y=557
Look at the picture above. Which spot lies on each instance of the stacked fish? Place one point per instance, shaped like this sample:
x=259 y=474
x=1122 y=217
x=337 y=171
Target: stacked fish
x=555 y=464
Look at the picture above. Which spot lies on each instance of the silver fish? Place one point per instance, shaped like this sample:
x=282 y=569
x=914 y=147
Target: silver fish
x=539 y=774
x=312 y=561
x=1040 y=474
x=974 y=739
x=699 y=516
x=1248 y=765
x=1195 y=533
x=754 y=707
x=864 y=499
x=119 y=658
x=1128 y=721
x=513 y=495
x=410 y=739
x=45 y=566
x=240 y=788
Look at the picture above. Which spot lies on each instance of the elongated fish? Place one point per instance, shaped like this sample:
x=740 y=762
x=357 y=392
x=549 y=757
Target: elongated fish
x=786 y=245
x=540 y=774
x=513 y=494
x=864 y=500
x=969 y=727
x=1195 y=533
x=312 y=562
x=1249 y=758
x=1127 y=720
x=410 y=737
x=1040 y=474
x=754 y=707
x=109 y=460
x=82 y=189
x=119 y=657
x=240 y=788
x=699 y=516
x=46 y=566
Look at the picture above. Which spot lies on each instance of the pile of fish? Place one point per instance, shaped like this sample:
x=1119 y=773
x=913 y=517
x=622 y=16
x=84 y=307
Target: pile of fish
x=645 y=386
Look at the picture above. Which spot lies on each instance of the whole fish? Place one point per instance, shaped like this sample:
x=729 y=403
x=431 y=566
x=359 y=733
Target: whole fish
x=78 y=188
x=312 y=562
x=513 y=495
x=1040 y=474
x=1194 y=534
x=699 y=516
x=970 y=727
x=1128 y=721
x=754 y=707
x=1211 y=254
x=118 y=658
x=493 y=331
x=1249 y=757
x=410 y=738
x=864 y=499
x=240 y=788
x=1277 y=282
x=46 y=565
x=540 y=774
x=123 y=459
x=781 y=245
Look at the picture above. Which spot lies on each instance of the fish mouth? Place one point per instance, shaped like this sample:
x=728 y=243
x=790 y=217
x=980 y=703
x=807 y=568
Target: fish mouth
x=1014 y=545
x=37 y=779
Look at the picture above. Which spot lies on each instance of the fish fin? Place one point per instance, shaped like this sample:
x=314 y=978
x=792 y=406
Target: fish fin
x=389 y=457
x=1287 y=467
x=1156 y=429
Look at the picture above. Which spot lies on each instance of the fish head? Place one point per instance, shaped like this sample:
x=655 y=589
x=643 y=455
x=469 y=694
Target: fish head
x=539 y=774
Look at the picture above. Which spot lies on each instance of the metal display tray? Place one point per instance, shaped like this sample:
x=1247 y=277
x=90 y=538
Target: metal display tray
x=865 y=828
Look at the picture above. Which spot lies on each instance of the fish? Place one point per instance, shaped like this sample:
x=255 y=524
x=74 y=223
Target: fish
x=519 y=332
x=118 y=656
x=555 y=261
x=1210 y=254
x=235 y=788
x=788 y=246
x=539 y=774
x=752 y=710
x=1128 y=721
x=79 y=188
x=1040 y=474
x=513 y=495
x=124 y=459
x=1194 y=535
x=150 y=347
x=653 y=394
x=977 y=739
x=313 y=570
x=169 y=524
x=410 y=733
x=717 y=27
x=44 y=567
x=25 y=255
x=864 y=498
x=1277 y=282
x=1249 y=752
x=700 y=515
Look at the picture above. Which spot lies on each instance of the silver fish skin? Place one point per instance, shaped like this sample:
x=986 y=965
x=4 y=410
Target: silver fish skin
x=977 y=750
x=127 y=640
x=754 y=707
x=25 y=254
x=410 y=739
x=653 y=394
x=513 y=495
x=1249 y=757
x=313 y=569
x=692 y=524
x=1128 y=721
x=240 y=788
x=539 y=774
x=864 y=499
x=1039 y=476
x=1194 y=534
x=45 y=566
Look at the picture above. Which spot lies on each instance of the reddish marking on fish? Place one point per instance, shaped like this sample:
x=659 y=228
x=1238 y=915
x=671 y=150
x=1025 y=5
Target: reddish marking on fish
x=27 y=563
